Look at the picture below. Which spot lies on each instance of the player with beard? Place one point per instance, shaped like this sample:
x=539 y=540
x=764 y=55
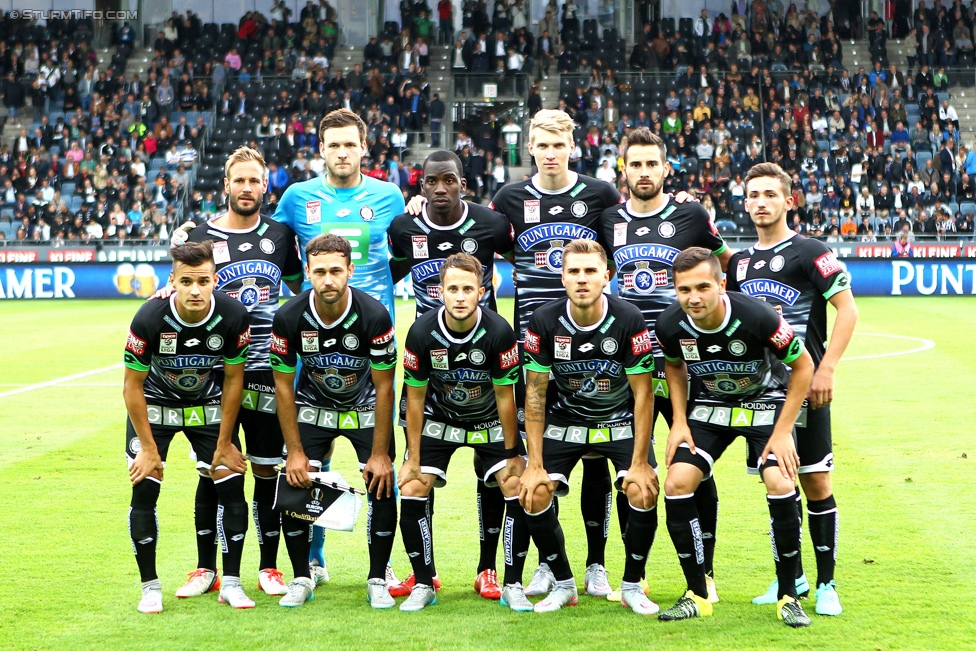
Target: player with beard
x=644 y=235
x=799 y=276
x=419 y=245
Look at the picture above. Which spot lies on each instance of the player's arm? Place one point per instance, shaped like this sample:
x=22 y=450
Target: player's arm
x=676 y=373
x=535 y=475
x=822 y=387
x=296 y=465
x=378 y=471
x=724 y=255
x=147 y=462
x=508 y=415
x=227 y=454
x=640 y=472
x=781 y=443
x=416 y=396
x=399 y=269
x=293 y=272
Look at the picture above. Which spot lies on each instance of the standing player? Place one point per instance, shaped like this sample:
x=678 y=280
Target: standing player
x=253 y=255
x=169 y=386
x=644 y=235
x=419 y=244
x=799 y=276
x=598 y=350
x=461 y=363
x=357 y=207
x=345 y=340
x=736 y=348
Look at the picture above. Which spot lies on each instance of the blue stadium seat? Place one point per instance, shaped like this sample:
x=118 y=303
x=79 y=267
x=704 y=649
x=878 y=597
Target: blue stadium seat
x=967 y=208
x=75 y=203
x=921 y=157
x=953 y=208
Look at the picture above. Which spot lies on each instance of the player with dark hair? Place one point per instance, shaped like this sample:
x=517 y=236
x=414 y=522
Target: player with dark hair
x=460 y=364
x=598 y=350
x=419 y=244
x=346 y=343
x=737 y=350
x=644 y=235
x=799 y=276
x=169 y=383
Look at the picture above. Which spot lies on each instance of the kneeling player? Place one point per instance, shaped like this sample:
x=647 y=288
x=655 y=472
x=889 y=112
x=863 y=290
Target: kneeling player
x=169 y=386
x=598 y=350
x=736 y=347
x=346 y=343
x=461 y=363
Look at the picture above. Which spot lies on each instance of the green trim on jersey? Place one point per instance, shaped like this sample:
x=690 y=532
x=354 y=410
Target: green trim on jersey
x=382 y=367
x=641 y=368
x=295 y=277
x=131 y=361
x=240 y=359
x=796 y=349
x=536 y=367
x=505 y=381
x=280 y=366
x=722 y=249
x=673 y=359
x=393 y=257
x=413 y=382
x=841 y=283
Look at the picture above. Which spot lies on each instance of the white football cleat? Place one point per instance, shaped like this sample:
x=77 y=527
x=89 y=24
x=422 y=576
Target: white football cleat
x=152 y=600
x=595 y=581
x=378 y=595
x=201 y=582
x=272 y=582
x=420 y=597
x=559 y=597
x=542 y=581
x=300 y=590
x=320 y=573
x=233 y=595
x=636 y=600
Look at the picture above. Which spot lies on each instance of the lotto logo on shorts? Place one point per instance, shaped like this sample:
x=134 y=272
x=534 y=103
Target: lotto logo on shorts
x=279 y=344
x=509 y=358
x=532 y=341
x=641 y=343
x=827 y=264
x=783 y=335
x=135 y=345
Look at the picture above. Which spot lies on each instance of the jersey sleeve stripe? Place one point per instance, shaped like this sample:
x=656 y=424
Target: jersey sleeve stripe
x=841 y=283
x=536 y=367
x=136 y=366
x=382 y=367
x=789 y=359
x=722 y=249
x=505 y=381
x=638 y=370
x=413 y=382
x=240 y=359
x=279 y=365
x=672 y=359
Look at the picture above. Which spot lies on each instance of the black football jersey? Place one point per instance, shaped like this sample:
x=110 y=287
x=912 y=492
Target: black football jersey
x=543 y=222
x=336 y=358
x=743 y=359
x=480 y=232
x=179 y=356
x=797 y=277
x=461 y=369
x=644 y=247
x=250 y=267
x=589 y=365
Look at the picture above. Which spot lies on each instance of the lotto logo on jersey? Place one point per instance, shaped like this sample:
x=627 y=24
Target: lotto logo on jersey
x=384 y=338
x=827 y=264
x=167 y=343
x=420 y=250
x=279 y=344
x=438 y=359
x=509 y=358
x=410 y=360
x=532 y=341
x=783 y=335
x=310 y=341
x=563 y=347
x=313 y=212
x=641 y=343
x=244 y=338
x=137 y=346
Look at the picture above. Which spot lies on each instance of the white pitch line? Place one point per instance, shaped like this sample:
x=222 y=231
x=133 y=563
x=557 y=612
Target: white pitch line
x=61 y=380
x=927 y=344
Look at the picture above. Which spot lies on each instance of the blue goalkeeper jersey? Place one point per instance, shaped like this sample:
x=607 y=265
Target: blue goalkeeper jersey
x=362 y=215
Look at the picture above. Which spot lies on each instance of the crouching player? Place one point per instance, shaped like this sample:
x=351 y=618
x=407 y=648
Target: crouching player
x=737 y=348
x=461 y=364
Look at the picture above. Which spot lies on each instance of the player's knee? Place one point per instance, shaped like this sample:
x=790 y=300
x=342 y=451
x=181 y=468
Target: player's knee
x=510 y=487
x=415 y=488
x=682 y=479
x=541 y=499
x=816 y=485
x=776 y=483
x=635 y=496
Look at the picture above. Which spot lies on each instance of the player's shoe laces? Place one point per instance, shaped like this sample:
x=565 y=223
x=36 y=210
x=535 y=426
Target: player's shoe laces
x=828 y=603
x=595 y=581
x=771 y=595
x=420 y=597
x=542 y=581
x=712 y=591
x=513 y=596
x=378 y=595
x=299 y=591
x=404 y=588
x=635 y=599
x=233 y=595
x=486 y=584
x=271 y=582
x=616 y=595
x=561 y=595
x=320 y=573
x=791 y=612
x=391 y=577
x=201 y=582
x=152 y=600
x=688 y=607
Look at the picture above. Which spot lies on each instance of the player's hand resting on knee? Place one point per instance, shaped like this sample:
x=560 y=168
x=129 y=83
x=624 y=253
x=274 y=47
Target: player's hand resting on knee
x=230 y=457
x=679 y=434
x=644 y=478
x=514 y=467
x=410 y=471
x=378 y=475
x=146 y=463
x=784 y=449
x=532 y=478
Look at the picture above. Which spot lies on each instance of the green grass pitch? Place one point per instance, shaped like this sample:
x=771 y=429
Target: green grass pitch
x=906 y=455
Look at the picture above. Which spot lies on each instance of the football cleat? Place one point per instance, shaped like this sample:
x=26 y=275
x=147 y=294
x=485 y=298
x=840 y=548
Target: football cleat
x=271 y=582
x=486 y=584
x=712 y=591
x=234 y=596
x=391 y=578
x=615 y=596
x=513 y=596
x=542 y=581
x=771 y=595
x=828 y=603
x=152 y=600
x=320 y=573
x=378 y=595
x=595 y=581
x=300 y=590
x=201 y=582
x=636 y=600
x=791 y=612
x=688 y=607
x=404 y=588
x=561 y=595
x=420 y=597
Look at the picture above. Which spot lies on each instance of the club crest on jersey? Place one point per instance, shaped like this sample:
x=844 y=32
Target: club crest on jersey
x=438 y=359
x=310 y=341
x=689 y=350
x=221 y=253
x=332 y=380
x=459 y=395
x=620 y=234
x=313 y=212
x=476 y=356
x=551 y=258
x=266 y=246
x=724 y=384
x=737 y=348
x=167 y=343
x=589 y=385
x=777 y=263
x=609 y=346
x=188 y=380
x=665 y=230
x=469 y=245
x=563 y=347
x=420 y=250
x=643 y=280
x=531 y=211
x=366 y=213
x=351 y=342
x=215 y=342
x=250 y=294
x=579 y=209
x=741 y=269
